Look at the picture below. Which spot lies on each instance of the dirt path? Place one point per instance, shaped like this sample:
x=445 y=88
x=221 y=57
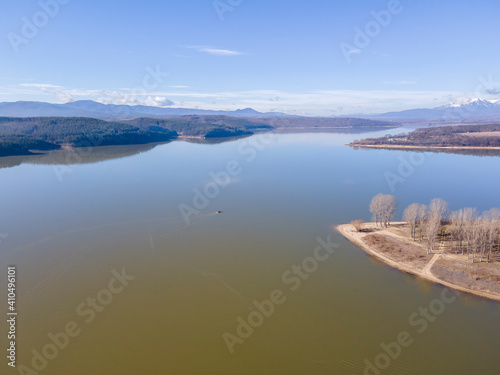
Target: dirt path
x=427 y=269
x=348 y=231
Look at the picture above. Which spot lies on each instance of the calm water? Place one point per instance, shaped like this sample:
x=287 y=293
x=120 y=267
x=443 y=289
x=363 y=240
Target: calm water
x=68 y=226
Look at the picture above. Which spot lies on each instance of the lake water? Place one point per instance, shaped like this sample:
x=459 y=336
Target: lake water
x=190 y=281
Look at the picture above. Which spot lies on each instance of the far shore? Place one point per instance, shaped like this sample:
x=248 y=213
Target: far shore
x=422 y=147
x=404 y=254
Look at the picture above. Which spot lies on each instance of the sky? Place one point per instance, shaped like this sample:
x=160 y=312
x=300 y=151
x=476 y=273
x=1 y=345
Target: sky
x=314 y=57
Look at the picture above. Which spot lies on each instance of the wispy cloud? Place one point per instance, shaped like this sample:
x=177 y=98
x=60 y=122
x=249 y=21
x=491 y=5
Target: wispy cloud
x=399 y=82
x=124 y=96
x=324 y=102
x=57 y=91
x=215 y=51
x=121 y=98
x=40 y=85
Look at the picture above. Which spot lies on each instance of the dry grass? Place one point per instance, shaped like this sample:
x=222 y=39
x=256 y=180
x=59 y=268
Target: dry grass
x=484 y=277
x=482 y=134
x=398 y=250
x=395 y=247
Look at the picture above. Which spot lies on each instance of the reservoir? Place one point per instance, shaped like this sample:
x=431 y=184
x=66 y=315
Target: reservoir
x=125 y=266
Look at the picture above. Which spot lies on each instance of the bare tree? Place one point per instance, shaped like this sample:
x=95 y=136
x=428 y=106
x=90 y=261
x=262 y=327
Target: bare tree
x=422 y=217
x=457 y=230
x=383 y=208
x=492 y=218
x=410 y=215
x=478 y=235
x=376 y=208
x=433 y=226
x=438 y=208
x=470 y=217
x=390 y=205
x=358 y=224
x=437 y=213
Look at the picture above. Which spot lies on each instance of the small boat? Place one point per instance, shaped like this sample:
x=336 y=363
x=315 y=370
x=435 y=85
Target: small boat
x=219 y=212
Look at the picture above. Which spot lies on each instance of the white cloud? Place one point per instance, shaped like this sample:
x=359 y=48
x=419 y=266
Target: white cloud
x=399 y=82
x=55 y=90
x=312 y=103
x=120 y=98
x=215 y=51
x=157 y=101
x=40 y=85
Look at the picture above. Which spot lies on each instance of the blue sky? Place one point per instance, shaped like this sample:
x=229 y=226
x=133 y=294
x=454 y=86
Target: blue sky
x=269 y=55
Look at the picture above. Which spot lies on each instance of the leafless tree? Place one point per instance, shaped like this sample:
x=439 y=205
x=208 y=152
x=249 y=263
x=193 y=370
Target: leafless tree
x=358 y=224
x=376 y=208
x=457 y=230
x=439 y=209
x=437 y=213
x=432 y=227
x=422 y=217
x=470 y=217
x=492 y=218
x=390 y=207
x=410 y=215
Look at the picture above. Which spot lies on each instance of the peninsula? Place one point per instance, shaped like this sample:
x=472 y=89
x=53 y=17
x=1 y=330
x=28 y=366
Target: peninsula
x=460 y=251
x=462 y=137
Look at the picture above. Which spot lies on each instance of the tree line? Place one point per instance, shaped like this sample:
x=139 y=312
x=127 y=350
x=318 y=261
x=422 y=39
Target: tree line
x=445 y=136
x=468 y=232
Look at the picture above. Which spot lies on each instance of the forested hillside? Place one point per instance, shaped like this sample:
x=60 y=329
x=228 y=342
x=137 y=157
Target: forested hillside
x=20 y=135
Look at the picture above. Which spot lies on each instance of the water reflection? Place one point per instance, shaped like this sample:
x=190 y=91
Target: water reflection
x=471 y=152
x=80 y=155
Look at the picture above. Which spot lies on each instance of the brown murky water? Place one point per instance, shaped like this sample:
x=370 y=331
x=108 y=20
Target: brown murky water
x=113 y=280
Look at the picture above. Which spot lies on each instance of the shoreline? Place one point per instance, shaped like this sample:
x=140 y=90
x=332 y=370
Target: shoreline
x=402 y=147
x=348 y=231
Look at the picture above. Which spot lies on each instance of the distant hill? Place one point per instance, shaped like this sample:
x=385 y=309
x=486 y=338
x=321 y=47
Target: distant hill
x=473 y=110
x=203 y=126
x=89 y=108
x=18 y=136
x=312 y=123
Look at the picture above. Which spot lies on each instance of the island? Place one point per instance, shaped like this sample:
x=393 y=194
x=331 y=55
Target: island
x=460 y=250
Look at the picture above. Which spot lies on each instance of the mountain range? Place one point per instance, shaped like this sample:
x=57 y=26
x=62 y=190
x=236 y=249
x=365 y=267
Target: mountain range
x=473 y=110
x=89 y=108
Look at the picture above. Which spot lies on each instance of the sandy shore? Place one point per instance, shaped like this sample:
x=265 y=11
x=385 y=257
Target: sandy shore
x=403 y=147
x=425 y=271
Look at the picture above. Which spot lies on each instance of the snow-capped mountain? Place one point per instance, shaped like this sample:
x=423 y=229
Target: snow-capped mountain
x=480 y=109
x=473 y=103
